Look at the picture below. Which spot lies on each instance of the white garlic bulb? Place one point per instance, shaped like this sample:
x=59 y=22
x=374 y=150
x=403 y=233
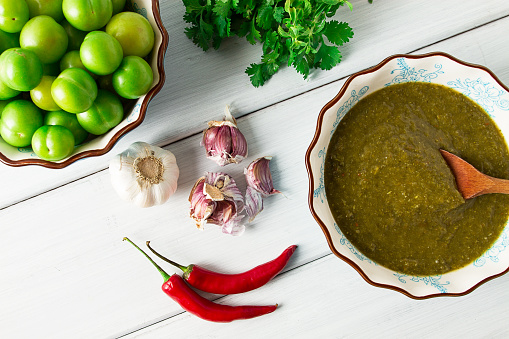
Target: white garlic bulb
x=144 y=174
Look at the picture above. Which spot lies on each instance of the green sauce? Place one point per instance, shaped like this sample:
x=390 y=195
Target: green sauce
x=391 y=192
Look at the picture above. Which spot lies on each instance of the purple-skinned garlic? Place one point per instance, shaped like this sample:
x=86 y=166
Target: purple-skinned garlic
x=259 y=186
x=223 y=141
x=216 y=199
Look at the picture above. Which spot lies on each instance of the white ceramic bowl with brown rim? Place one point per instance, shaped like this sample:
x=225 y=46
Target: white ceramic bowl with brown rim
x=476 y=82
x=133 y=116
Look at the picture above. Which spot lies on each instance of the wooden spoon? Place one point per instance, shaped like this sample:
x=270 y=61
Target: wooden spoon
x=472 y=183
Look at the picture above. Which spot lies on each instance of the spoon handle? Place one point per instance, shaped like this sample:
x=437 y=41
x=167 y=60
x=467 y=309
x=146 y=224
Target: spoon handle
x=499 y=186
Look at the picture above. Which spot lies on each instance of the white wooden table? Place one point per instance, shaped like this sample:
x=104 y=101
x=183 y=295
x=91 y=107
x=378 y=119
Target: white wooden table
x=66 y=273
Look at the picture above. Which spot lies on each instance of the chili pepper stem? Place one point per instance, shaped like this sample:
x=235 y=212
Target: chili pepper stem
x=185 y=269
x=165 y=275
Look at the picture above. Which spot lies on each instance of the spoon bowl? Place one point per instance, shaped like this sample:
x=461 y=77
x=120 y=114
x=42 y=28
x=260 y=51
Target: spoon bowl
x=472 y=183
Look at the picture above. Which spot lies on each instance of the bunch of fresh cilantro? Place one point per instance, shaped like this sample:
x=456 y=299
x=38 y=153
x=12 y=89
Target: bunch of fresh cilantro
x=292 y=32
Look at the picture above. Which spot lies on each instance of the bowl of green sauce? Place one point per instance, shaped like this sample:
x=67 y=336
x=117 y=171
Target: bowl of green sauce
x=383 y=195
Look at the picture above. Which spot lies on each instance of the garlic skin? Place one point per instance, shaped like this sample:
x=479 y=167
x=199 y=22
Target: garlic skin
x=216 y=199
x=254 y=203
x=223 y=141
x=258 y=176
x=259 y=186
x=145 y=175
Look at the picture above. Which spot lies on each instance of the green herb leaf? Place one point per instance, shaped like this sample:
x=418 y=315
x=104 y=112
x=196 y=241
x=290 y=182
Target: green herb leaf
x=222 y=8
x=338 y=33
x=255 y=72
x=327 y=57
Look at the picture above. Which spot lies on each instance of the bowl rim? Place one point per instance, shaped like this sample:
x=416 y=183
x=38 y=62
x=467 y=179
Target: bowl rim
x=120 y=133
x=311 y=176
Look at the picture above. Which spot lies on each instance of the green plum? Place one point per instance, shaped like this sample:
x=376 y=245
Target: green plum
x=72 y=59
x=105 y=113
x=74 y=90
x=20 y=120
x=75 y=36
x=133 y=78
x=68 y=120
x=41 y=95
x=8 y=40
x=134 y=33
x=20 y=69
x=53 y=142
x=87 y=15
x=53 y=8
x=45 y=37
x=14 y=15
x=6 y=92
x=118 y=6
x=101 y=53
x=4 y=103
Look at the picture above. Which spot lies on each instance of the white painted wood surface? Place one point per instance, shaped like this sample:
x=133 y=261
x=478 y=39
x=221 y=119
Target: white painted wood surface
x=65 y=273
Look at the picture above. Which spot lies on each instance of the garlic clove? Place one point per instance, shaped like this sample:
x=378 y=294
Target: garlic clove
x=216 y=199
x=144 y=174
x=239 y=145
x=254 y=203
x=201 y=207
x=223 y=141
x=258 y=176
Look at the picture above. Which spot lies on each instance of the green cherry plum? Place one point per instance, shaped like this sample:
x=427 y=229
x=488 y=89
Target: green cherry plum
x=74 y=90
x=6 y=92
x=87 y=15
x=133 y=78
x=75 y=36
x=53 y=142
x=41 y=95
x=20 y=120
x=101 y=53
x=4 y=103
x=45 y=37
x=69 y=121
x=72 y=59
x=14 y=15
x=8 y=40
x=118 y=6
x=53 y=8
x=105 y=113
x=134 y=33
x=20 y=69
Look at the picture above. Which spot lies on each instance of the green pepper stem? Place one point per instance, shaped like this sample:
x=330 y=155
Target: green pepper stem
x=165 y=275
x=183 y=268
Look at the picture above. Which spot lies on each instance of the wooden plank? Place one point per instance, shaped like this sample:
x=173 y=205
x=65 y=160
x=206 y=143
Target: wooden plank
x=326 y=299
x=199 y=84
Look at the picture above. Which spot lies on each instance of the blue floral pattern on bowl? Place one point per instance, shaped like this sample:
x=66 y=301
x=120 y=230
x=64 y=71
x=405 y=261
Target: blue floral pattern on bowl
x=482 y=92
x=134 y=7
x=408 y=74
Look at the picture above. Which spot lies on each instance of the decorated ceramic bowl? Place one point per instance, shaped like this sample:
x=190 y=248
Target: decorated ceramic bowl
x=476 y=82
x=133 y=116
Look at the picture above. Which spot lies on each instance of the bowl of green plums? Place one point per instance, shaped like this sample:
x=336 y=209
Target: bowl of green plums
x=75 y=76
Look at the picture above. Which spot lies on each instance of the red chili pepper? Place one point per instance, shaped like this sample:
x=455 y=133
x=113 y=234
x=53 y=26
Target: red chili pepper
x=218 y=283
x=185 y=296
